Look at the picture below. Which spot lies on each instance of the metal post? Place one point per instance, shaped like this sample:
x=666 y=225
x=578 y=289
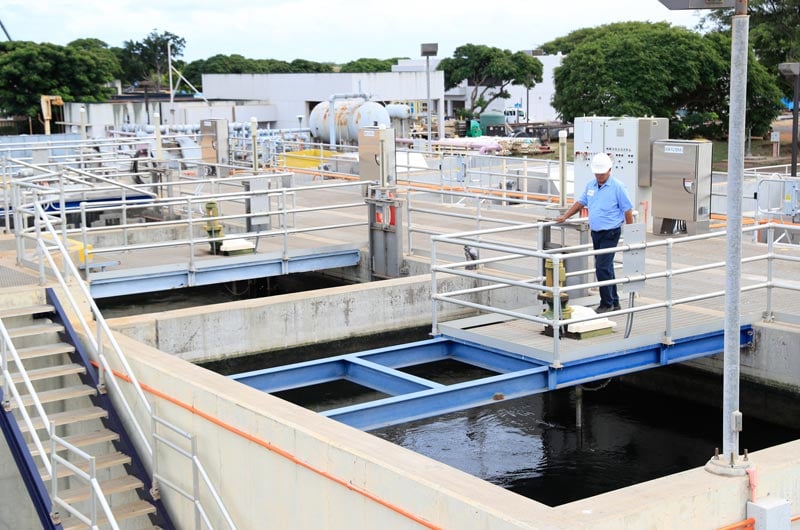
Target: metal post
x=428 y=94
x=730 y=464
x=434 y=303
x=794 y=123
x=254 y=139
x=429 y=50
x=562 y=165
x=556 y=313
x=159 y=146
x=770 y=271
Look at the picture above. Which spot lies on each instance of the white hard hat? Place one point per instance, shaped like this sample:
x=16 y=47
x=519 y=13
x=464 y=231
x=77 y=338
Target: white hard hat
x=601 y=163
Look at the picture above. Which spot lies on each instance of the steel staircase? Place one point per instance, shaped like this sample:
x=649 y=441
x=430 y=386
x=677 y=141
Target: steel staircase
x=89 y=436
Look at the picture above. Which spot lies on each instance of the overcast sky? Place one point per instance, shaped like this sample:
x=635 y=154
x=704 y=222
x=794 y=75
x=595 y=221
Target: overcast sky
x=323 y=31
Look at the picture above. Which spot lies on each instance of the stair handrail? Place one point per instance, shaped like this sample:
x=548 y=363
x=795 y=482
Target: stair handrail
x=102 y=327
x=103 y=331
x=97 y=494
x=49 y=426
x=8 y=347
x=198 y=471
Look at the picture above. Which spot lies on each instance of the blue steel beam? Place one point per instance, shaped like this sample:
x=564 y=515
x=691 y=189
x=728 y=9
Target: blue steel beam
x=644 y=357
x=358 y=368
x=411 y=354
x=376 y=369
x=400 y=409
x=386 y=380
x=415 y=398
x=496 y=361
x=294 y=375
x=427 y=403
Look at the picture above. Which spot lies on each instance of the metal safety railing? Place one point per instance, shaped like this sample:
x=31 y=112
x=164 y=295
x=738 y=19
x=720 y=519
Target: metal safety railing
x=198 y=473
x=425 y=216
x=186 y=221
x=40 y=420
x=96 y=495
x=489 y=273
x=10 y=355
x=103 y=346
x=509 y=178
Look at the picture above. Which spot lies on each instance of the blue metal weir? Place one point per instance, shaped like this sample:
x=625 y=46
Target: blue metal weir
x=412 y=397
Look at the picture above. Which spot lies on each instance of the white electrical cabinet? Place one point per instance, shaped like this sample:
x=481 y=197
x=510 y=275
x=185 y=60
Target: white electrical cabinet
x=628 y=141
x=376 y=155
x=214 y=146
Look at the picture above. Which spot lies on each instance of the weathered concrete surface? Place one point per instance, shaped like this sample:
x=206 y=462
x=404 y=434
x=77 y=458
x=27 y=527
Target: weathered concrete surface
x=239 y=328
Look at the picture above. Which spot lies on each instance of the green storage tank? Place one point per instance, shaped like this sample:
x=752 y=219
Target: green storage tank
x=492 y=118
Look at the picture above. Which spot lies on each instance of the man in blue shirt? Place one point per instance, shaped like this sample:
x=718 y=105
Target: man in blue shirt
x=609 y=207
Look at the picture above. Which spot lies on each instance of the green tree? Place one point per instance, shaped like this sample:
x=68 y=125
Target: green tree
x=774 y=32
x=29 y=70
x=101 y=55
x=303 y=66
x=272 y=66
x=489 y=71
x=238 y=64
x=369 y=65
x=148 y=59
x=643 y=69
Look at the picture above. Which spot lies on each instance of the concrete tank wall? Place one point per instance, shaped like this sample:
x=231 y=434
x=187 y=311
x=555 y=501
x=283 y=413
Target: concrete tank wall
x=239 y=328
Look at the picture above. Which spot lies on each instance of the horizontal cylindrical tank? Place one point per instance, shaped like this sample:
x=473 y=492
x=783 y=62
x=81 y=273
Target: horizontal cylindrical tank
x=398 y=111
x=349 y=116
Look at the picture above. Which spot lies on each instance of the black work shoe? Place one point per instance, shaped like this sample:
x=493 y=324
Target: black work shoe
x=617 y=307
x=602 y=309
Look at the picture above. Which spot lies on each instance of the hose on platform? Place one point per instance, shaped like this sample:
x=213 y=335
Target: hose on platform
x=629 y=322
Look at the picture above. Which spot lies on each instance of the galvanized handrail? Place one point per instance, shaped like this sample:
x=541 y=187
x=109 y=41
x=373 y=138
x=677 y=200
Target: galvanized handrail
x=491 y=279
x=284 y=229
x=97 y=495
x=7 y=348
x=198 y=471
x=104 y=336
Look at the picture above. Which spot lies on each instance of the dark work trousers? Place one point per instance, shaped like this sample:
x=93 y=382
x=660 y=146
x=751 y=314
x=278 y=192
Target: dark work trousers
x=604 y=264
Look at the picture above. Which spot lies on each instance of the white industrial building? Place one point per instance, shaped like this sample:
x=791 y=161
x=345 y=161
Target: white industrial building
x=285 y=101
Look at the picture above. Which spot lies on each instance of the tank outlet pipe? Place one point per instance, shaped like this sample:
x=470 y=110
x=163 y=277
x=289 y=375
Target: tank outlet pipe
x=331 y=112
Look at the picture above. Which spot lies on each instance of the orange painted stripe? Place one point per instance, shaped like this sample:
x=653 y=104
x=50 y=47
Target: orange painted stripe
x=741 y=525
x=277 y=450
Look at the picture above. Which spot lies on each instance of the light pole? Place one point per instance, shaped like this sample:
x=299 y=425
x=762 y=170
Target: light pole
x=730 y=463
x=429 y=50
x=791 y=71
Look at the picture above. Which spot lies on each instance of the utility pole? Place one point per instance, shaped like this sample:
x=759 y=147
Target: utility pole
x=6 y=31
